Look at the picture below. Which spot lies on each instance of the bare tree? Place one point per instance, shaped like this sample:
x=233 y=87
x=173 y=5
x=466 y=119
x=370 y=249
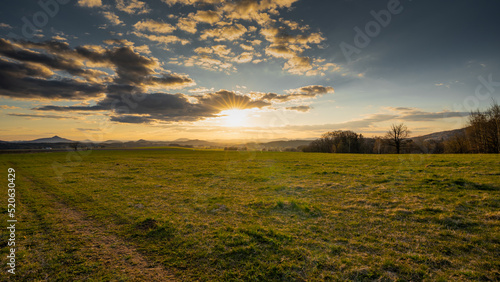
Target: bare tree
x=337 y=142
x=483 y=130
x=397 y=136
x=494 y=116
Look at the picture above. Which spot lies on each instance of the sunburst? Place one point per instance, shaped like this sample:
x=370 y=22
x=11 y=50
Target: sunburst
x=234 y=117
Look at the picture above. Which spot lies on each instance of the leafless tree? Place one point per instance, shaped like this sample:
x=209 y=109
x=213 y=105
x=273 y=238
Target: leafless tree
x=483 y=131
x=397 y=136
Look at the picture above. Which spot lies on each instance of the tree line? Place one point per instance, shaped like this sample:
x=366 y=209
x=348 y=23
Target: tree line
x=481 y=135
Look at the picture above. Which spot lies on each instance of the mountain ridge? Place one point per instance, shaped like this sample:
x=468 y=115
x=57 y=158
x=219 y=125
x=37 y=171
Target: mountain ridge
x=440 y=135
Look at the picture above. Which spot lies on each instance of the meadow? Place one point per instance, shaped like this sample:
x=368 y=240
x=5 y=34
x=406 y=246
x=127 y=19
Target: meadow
x=200 y=215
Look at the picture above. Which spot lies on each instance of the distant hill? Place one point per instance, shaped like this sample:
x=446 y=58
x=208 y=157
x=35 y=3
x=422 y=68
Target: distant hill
x=184 y=142
x=442 y=135
x=111 y=141
x=54 y=139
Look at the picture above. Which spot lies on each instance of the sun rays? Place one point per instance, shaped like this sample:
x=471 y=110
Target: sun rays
x=235 y=118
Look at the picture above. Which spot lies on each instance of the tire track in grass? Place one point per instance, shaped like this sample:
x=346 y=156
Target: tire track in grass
x=101 y=246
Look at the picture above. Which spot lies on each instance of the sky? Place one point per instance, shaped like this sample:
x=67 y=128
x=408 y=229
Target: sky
x=243 y=69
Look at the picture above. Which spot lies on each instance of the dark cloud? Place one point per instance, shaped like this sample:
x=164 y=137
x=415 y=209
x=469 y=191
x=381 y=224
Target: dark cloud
x=20 y=80
x=28 y=87
x=303 y=109
x=130 y=66
x=305 y=92
x=131 y=119
x=55 y=62
x=27 y=71
x=22 y=69
x=144 y=108
x=313 y=90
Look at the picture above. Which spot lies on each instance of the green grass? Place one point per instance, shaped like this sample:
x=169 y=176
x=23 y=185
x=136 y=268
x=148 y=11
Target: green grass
x=251 y=216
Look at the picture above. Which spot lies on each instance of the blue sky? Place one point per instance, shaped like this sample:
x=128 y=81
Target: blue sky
x=251 y=69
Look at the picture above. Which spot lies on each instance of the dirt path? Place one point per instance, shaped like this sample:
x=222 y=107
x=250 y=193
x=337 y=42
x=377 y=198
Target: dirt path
x=111 y=251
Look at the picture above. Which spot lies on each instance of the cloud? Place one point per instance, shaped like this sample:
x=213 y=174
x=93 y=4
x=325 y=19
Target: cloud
x=5 y=26
x=298 y=65
x=192 y=2
x=243 y=19
x=205 y=61
x=112 y=18
x=280 y=52
x=244 y=57
x=126 y=43
x=255 y=42
x=163 y=107
x=23 y=80
x=70 y=65
x=120 y=42
x=206 y=16
x=5 y=107
x=306 y=92
x=89 y=3
x=154 y=26
x=28 y=87
x=201 y=90
x=312 y=90
x=166 y=40
x=221 y=50
x=254 y=9
x=37 y=116
x=132 y=119
x=247 y=47
x=59 y=38
x=18 y=70
x=187 y=24
x=28 y=73
x=289 y=42
x=303 y=109
x=132 y=7
x=216 y=58
x=414 y=114
x=204 y=50
x=89 y=129
x=227 y=33
x=224 y=100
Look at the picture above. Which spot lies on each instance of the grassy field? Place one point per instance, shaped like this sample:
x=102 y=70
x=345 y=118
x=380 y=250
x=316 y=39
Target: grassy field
x=185 y=215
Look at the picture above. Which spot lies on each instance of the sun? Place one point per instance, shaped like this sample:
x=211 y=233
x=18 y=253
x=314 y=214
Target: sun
x=234 y=117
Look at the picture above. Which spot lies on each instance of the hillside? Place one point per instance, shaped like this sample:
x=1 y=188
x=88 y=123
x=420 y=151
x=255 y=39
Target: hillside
x=54 y=139
x=442 y=135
